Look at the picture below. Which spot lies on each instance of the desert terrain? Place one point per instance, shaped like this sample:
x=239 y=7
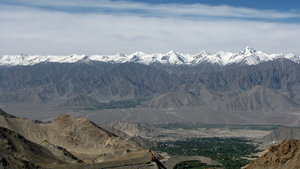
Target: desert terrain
x=75 y=142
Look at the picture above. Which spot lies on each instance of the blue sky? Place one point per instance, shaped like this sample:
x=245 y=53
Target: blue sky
x=279 y=5
x=62 y=27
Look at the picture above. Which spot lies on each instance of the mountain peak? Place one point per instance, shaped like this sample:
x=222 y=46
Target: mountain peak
x=139 y=53
x=249 y=49
x=248 y=56
x=121 y=54
x=171 y=52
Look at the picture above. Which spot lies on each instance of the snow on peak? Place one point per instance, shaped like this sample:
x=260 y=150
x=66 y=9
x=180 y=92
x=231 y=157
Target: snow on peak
x=139 y=53
x=249 y=49
x=248 y=56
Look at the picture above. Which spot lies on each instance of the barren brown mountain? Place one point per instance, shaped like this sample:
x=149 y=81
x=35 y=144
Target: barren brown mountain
x=16 y=147
x=78 y=135
x=53 y=141
x=286 y=155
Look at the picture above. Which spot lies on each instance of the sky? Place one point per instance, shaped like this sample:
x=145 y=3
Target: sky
x=107 y=27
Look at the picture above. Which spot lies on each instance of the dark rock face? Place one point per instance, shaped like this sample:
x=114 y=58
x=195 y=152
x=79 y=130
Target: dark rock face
x=84 y=84
x=4 y=114
x=10 y=162
x=234 y=87
x=100 y=81
x=262 y=99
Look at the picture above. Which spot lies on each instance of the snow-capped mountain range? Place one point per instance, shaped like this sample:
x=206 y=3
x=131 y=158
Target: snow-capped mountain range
x=248 y=56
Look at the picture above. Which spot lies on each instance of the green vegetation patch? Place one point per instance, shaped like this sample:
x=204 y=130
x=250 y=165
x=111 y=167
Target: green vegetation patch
x=121 y=104
x=192 y=165
x=227 y=151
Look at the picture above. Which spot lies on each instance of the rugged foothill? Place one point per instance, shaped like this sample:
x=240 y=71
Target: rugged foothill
x=66 y=142
x=284 y=155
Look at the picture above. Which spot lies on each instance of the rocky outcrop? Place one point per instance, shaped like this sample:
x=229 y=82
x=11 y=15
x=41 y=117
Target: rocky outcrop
x=82 y=135
x=76 y=134
x=61 y=152
x=282 y=156
x=20 y=151
x=58 y=143
x=10 y=162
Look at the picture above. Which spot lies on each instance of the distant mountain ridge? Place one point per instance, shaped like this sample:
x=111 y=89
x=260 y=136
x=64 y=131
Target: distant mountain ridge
x=268 y=86
x=248 y=81
x=248 y=56
x=65 y=85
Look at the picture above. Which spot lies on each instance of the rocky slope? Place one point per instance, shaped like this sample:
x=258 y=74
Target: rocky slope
x=115 y=131
x=279 y=79
x=176 y=98
x=64 y=135
x=10 y=162
x=262 y=99
x=20 y=149
x=31 y=130
x=145 y=142
x=132 y=129
x=136 y=138
x=70 y=132
x=77 y=135
x=79 y=84
x=282 y=133
x=282 y=156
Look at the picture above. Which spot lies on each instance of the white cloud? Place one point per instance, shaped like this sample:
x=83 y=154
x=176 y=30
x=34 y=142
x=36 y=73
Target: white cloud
x=32 y=30
x=161 y=10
